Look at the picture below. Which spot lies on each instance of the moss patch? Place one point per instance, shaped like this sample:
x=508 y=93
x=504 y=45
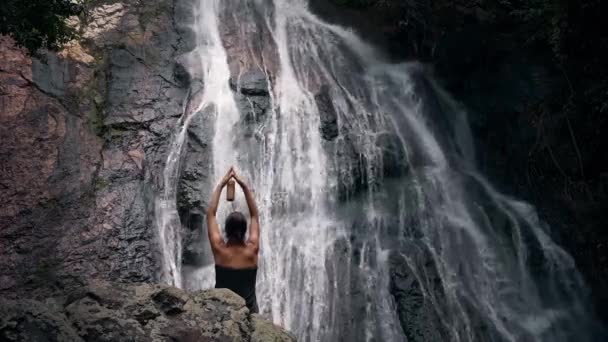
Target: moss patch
x=94 y=94
x=101 y=184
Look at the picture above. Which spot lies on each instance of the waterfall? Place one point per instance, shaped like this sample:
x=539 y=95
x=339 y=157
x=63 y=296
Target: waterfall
x=395 y=193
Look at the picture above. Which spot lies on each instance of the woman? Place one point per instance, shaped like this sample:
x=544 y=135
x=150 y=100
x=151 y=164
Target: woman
x=236 y=260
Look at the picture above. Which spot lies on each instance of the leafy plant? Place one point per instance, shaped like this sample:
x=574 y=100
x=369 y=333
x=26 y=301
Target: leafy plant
x=36 y=24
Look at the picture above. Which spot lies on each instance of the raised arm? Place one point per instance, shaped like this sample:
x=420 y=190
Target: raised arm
x=254 y=229
x=213 y=230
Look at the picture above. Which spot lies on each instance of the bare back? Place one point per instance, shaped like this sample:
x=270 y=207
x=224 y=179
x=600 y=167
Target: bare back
x=236 y=256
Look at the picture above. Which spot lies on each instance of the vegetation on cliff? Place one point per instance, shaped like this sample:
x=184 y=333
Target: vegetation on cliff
x=36 y=24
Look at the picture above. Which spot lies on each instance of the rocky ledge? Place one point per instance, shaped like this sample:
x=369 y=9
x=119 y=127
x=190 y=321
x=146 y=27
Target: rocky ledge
x=105 y=311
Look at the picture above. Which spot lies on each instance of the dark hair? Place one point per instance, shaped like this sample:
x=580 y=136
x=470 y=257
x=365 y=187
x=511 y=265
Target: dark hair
x=236 y=227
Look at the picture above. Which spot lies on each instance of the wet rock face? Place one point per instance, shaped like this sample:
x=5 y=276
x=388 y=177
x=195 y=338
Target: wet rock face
x=248 y=41
x=421 y=301
x=252 y=82
x=104 y=311
x=327 y=114
x=416 y=312
x=197 y=169
x=342 y=269
x=356 y=171
x=252 y=95
x=84 y=137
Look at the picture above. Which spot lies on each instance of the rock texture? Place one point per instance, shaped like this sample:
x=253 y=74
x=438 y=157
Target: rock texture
x=194 y=188
x=417 y=312
x=104 y=311
x=84 y=135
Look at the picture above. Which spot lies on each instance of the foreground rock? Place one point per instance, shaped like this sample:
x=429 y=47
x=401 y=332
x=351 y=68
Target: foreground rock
x=104 y=311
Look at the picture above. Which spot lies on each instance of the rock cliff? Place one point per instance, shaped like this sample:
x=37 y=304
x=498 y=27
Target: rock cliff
x=84 y=135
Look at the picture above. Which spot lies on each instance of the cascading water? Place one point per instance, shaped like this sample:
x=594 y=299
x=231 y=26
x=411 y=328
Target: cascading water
x=396 y=188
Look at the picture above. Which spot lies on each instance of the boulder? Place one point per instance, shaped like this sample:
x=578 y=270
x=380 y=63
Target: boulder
x=105 y=311
x=264 y=331
x=30 y=320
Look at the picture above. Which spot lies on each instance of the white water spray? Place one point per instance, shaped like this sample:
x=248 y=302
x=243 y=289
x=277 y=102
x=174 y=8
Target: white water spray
x=399 y=181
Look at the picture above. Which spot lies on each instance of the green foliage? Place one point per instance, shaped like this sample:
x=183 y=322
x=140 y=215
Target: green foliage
x=578 y=37
x=96 y=120
x=547 y=20
x=92 y=94
x=36 y=24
